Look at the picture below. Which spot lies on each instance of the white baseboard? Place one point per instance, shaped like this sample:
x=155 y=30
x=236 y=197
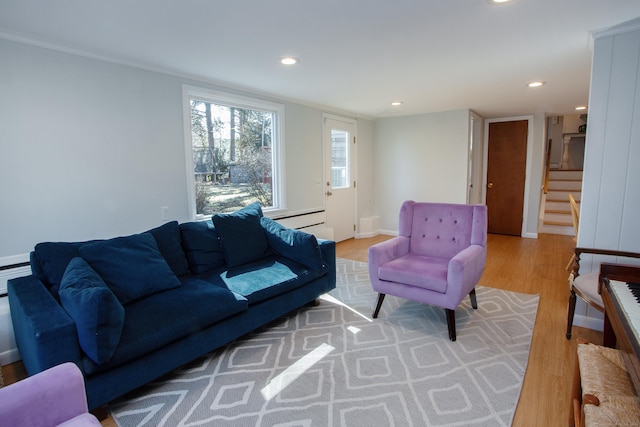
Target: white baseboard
x=365 y=235
x=9 y=356
x=8 y=347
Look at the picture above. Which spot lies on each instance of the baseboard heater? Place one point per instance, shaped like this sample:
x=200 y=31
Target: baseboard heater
x=303 y=220
x=312 y=222
x=11 y=271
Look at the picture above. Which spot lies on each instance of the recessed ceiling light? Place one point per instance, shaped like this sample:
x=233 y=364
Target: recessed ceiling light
x=535 y=84
x=500 y=1
x=580 y=108
x=396 y=103
x=289 y=60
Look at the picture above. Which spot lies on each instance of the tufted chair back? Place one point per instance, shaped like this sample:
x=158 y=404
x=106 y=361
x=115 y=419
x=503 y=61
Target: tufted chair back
x=442 y=230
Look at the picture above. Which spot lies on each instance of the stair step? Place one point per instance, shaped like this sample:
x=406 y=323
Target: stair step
x=565 y=174
x=557 y=229
x=560 y=223
x=561 y=196
x=567 y=185
x=562 y=218
x=557 y=209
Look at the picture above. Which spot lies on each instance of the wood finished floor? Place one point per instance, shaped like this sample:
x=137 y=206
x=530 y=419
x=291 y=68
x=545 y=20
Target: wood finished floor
x=521 y=265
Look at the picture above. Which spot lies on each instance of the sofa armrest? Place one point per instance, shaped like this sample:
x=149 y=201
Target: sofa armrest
x=383 y=252
x=466 y=268
x=328 y=251
x=50 y=398
x=388 y=250
x=45 y=334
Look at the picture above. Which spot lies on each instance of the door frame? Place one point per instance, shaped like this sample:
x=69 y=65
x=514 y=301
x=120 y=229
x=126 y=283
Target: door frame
x=354 y=163
x=476 y=166
x=527 y=176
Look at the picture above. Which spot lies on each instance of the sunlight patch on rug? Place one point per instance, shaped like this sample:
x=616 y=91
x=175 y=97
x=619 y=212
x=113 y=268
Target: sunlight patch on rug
x=333 y=365
x=289 y=375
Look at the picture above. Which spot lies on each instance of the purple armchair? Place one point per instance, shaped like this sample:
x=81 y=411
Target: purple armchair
x=437 y=258
x=54 y=397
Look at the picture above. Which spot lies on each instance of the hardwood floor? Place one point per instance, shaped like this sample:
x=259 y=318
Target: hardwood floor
x=521 y=265
x=532 y=266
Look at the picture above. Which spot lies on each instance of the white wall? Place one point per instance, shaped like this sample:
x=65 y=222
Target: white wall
x=92 y=149
x=422 y=158
x=610 y=196
x=88 y=148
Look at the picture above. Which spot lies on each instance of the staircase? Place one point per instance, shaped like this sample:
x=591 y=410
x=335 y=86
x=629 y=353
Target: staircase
x=557 y=209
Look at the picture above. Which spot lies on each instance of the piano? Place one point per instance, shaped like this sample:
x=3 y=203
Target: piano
x=622 y=314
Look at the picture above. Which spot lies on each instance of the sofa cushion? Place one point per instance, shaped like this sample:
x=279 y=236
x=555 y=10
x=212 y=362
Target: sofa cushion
x=263 y=279
x=131 y=266
x=417 y=270
x=201 y=244
x=243 y=238
x=49 y=261
x=294 y=244
x=170 y=245
x=162 y=318
x=97 y=313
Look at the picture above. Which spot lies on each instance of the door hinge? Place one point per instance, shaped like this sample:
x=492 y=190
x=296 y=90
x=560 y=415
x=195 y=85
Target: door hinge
x=354 y=184
x=354 y=139
x=354 y=227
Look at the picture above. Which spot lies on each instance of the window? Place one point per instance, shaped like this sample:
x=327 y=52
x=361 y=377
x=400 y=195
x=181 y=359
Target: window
x=233 y=146
x=339 y=159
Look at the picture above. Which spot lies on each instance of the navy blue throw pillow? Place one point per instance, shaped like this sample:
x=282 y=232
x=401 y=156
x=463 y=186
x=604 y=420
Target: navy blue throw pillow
x=169 y=242
x=97 y=313
x=293 y=244
x=243 y=238
x=131 y=266
x=202 y=246
x=51 y=260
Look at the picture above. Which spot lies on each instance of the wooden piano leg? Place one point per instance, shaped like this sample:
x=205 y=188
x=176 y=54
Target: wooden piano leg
x=570 y=311
x=608 y=336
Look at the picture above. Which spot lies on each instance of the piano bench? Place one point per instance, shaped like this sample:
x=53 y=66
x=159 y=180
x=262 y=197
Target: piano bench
x=607 y=394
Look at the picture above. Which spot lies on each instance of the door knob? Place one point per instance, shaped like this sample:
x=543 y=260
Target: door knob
x=329 y=193
x=490 y=185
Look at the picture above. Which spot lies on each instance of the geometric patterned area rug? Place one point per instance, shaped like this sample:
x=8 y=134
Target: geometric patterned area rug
x=333 y=365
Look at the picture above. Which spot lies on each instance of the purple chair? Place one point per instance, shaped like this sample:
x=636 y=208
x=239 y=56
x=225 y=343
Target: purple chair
x=54 y=397
x=437 y=258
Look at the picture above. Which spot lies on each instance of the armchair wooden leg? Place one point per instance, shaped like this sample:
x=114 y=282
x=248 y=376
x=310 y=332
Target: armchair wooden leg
x=451 y=323
x=378 y=305
x=570 y=311
x=474 y=301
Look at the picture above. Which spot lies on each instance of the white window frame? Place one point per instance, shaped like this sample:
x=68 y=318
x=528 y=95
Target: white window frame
x=277 y=142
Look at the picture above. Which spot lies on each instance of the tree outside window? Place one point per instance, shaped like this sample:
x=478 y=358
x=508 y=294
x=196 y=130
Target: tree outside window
x=232 y=146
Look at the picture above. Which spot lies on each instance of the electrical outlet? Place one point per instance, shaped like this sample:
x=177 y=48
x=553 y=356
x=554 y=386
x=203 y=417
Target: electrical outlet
x=164 y=213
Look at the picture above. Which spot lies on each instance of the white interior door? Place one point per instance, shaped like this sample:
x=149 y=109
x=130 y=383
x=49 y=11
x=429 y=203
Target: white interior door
x=339 y=176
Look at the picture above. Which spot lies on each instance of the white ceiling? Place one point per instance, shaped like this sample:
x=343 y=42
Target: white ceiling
x=355 y=55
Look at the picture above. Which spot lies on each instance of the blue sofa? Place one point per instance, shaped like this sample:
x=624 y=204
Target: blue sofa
x=130 y=309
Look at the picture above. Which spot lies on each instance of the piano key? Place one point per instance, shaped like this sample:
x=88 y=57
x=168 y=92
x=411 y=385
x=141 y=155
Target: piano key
x=629 y=303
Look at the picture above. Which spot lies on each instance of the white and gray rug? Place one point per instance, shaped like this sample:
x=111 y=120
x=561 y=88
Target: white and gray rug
x=332 y=365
